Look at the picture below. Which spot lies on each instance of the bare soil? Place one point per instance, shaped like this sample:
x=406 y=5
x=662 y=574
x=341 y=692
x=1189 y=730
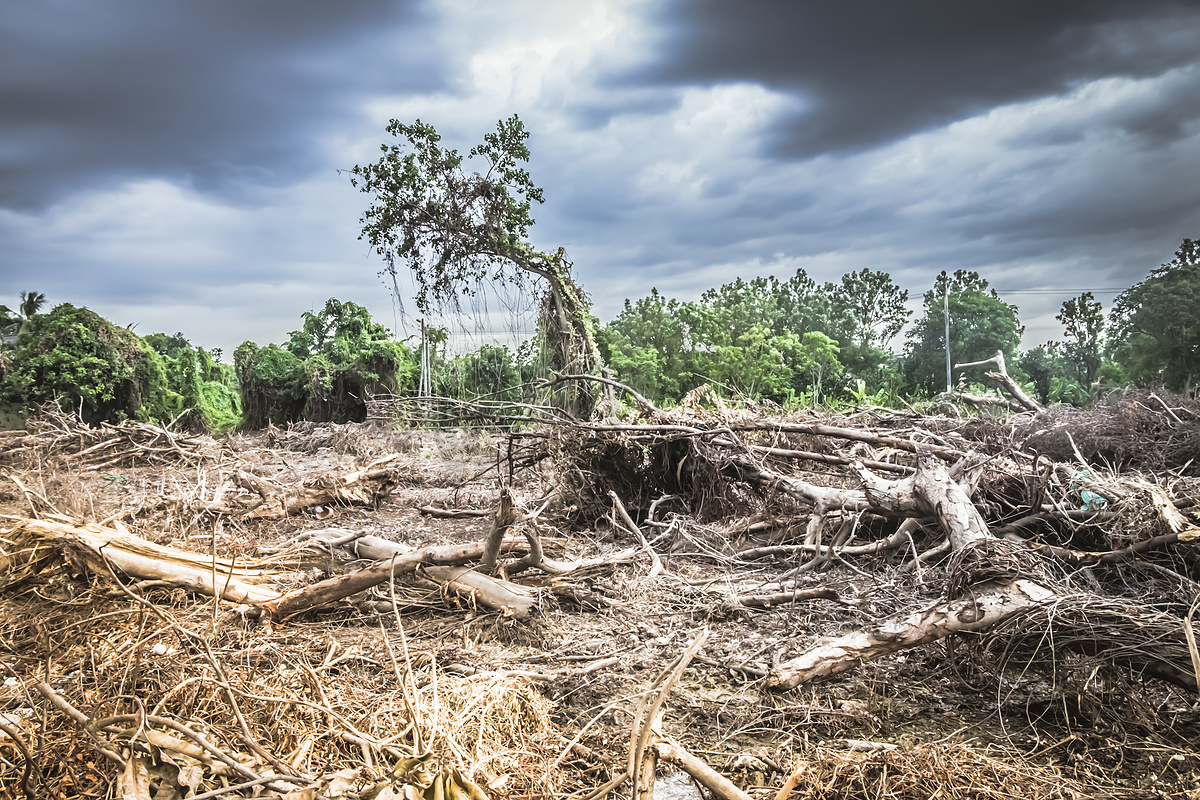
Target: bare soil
x=540 y=707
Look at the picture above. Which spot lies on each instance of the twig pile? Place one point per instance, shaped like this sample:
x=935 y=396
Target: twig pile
x=944 y=771
x=53 y=434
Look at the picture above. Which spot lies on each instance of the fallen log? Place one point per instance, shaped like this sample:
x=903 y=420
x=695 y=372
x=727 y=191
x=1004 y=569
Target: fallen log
x=844 y=653
x=715 y=782
x=510 y=599
x=323 y=593
x=990 y=582
x=93 y=547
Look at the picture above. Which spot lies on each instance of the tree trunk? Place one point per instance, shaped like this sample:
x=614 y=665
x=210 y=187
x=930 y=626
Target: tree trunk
x=333 y=589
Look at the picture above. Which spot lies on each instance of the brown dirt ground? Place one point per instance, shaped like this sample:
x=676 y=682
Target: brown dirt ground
x=505 y=698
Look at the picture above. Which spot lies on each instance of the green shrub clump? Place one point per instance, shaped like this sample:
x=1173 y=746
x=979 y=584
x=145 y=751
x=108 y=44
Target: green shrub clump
x=326 y=370
x=77 y=358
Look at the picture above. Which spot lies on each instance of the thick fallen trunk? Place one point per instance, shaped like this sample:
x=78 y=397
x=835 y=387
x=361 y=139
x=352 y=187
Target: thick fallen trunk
x=989 y=600
x=94 y=547
x=990 y=582
x=510 y=599
x=328 y=591
x=974 y=613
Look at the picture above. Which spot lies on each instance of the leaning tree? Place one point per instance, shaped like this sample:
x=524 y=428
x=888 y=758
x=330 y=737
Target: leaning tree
x=454 y=229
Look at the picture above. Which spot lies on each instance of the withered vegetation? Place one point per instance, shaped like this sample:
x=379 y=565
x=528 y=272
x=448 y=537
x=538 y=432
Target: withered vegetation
x=873 y=605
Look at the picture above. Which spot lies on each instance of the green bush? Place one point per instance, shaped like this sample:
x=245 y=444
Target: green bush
x=272 y=382
x=81 y=360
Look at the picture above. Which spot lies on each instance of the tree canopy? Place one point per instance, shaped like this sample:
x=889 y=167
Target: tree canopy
x=76 y=357
x=326 y=369
x=454 y=229
x=980 y=324
x=1156 y=324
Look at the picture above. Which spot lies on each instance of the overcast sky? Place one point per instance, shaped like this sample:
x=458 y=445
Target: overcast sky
x=175 y=165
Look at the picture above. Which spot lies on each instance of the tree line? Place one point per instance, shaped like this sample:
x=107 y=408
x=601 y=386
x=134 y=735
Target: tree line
x=793 y=342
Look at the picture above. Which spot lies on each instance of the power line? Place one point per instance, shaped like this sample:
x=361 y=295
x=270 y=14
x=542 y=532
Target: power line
x=1104 y=290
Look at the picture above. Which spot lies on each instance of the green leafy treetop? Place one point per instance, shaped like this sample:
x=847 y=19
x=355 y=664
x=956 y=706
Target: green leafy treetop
x=1083 y=323
x=1156 y=323
x=198 y=384
x=454 y=229
x=980 y=324
x=325 y=371
x=78 y=358
x=874 y=305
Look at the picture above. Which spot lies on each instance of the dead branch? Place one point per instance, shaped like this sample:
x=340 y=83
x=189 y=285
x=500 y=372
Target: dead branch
x=656 y=565
x=708 y=777
x=451 y=513
x=975 y=613
x=92 y=545
x=366 y=486
x=504 y=516
x=508 y=598
x=1000 y=375
x=328 y=591
x=642 y=403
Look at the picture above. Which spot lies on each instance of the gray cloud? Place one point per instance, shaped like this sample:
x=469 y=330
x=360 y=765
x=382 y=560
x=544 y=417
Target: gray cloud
x=215 y=95
x=871 y=72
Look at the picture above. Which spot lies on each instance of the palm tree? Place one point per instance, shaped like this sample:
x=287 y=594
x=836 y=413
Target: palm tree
x=30 y=303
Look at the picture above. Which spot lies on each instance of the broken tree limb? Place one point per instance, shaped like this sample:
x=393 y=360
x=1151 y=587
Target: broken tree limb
x=316 y=595
x=844 y=653
x=941 y=496
x=366 y=486
x=656 y=565
x=987 y=601
x=992 y=582
x=708 y=777
x=451 y=513
x=89 y=546
x=642 y=403
x=795 y=596
x=510 y=599
x=1000 y=375
x=503 y=518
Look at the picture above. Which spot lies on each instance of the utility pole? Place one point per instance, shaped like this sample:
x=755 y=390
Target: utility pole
x=946 y=314
x=424 y=389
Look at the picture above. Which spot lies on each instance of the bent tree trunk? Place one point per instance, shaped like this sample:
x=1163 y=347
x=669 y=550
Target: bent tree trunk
x=565 y=329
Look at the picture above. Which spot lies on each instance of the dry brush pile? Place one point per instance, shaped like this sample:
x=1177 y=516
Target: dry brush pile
x=808 y=590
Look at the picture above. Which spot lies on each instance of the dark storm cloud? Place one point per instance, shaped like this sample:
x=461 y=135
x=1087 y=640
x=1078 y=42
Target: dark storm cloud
x=866 y=72
x=212 y=94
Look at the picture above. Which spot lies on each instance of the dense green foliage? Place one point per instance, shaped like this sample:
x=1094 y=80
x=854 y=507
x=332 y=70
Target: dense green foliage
x=202 y=391
x=980 y=324
x=783 y=341
x=325 y=371
x=789 y=341
x=81 y=360
x=1156 y=325
x=272 y=383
